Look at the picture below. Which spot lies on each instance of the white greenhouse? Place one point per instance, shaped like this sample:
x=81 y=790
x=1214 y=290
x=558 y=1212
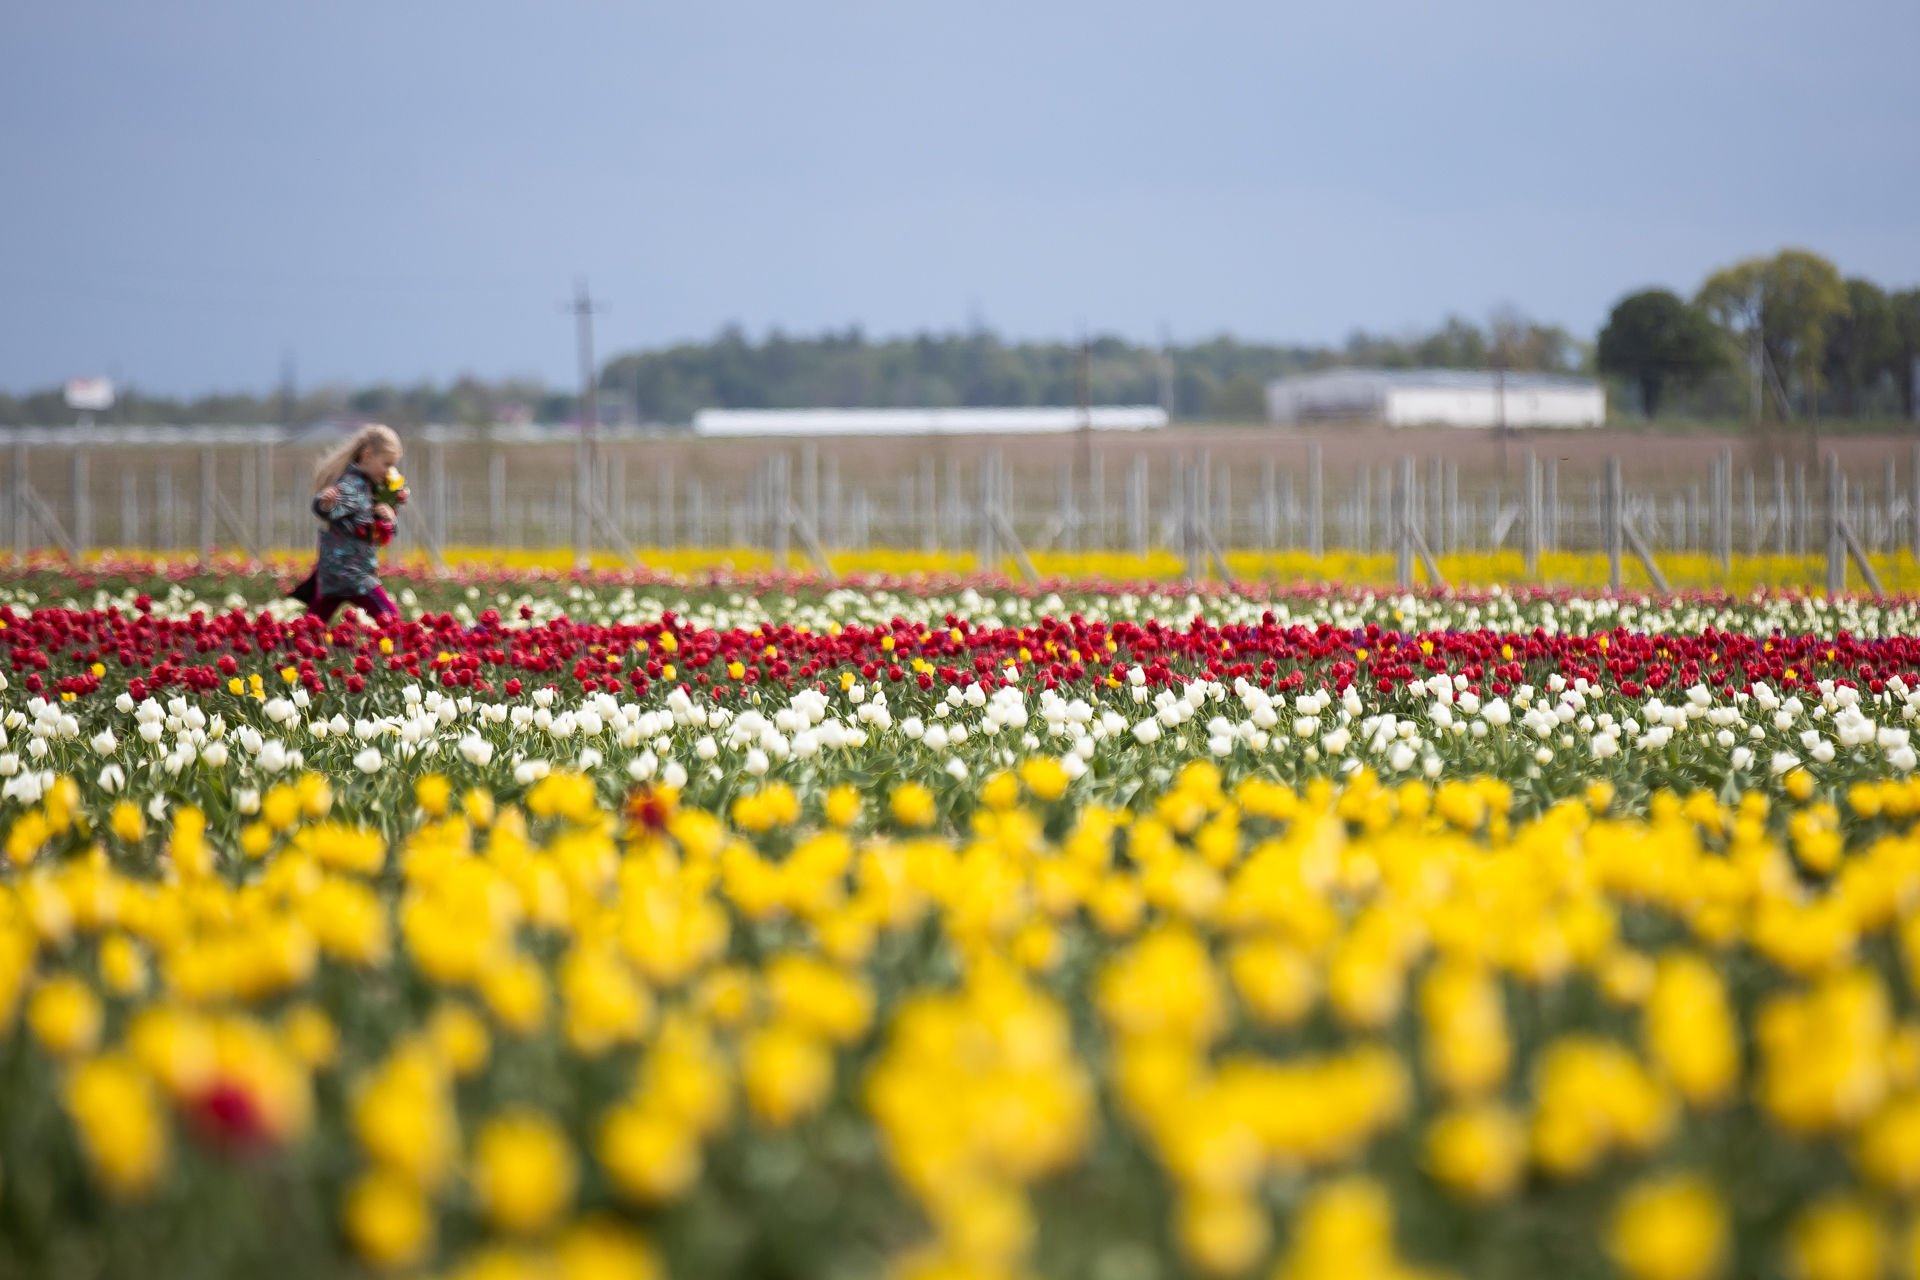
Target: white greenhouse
x=1039 y=420
x=1439 y=397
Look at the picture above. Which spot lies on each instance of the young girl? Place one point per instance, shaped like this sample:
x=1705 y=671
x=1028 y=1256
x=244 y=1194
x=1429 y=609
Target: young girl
x=344 y=484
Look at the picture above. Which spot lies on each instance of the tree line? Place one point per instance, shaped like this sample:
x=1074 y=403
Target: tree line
x=1768 y=338
x=1221 y=379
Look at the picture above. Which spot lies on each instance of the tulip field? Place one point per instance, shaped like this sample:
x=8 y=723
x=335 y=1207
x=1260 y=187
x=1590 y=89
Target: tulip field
x=615 y=926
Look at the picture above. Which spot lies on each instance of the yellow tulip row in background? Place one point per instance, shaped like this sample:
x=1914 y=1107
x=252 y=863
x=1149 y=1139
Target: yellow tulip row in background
x=1684 y=571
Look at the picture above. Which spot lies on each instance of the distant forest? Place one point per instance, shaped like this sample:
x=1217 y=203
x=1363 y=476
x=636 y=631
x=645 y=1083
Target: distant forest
x=1222 y=379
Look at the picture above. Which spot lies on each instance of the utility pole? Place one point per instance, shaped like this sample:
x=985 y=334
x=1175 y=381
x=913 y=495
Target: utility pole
x=1086 y=426
x=583 y=307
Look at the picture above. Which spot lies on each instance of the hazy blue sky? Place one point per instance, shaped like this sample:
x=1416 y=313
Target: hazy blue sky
x=408 y=188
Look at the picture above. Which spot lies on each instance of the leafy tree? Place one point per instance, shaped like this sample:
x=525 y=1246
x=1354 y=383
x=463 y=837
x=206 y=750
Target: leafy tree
x=1905 y=307
x=1862 y=343
x=1787 y=300
x=1655 y=338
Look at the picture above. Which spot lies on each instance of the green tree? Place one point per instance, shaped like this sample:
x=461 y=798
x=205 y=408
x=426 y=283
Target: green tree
x=1862 y=343
x=1655 y=338
x=1786 y=301
x=1905 y=307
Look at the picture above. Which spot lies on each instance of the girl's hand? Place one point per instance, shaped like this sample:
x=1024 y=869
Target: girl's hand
x=382 y=511
x=329 y=496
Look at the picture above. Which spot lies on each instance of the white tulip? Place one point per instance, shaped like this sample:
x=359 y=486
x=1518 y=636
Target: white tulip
x=104 y=742
x=272 y=756
x=477 y=750
x=112 y=778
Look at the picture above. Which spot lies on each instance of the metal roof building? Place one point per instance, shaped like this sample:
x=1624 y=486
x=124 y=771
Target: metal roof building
x=1038 y=420
x=1439 y=397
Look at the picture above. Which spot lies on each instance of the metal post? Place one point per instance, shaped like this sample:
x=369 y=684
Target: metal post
x=82 y=506
x=207 y=477
x=1362 y=517
x=1269 y=506
x=617 y=493
x=263 y=463
x=437 y=492
x=830 y=502
x=22 y=528
x=1202 y=512
x=929 y=506
x=1782 y=517
x=1753 y=530
x=1550 y=506
x=782 y=514
x=1190 y=517
x=664 y=501
x=1403 y=523
x=1433 y=505
x=1137 y=506
x=582 y=498
x=166 y=526
x=1093 y=533
x=987 y=556
x=1892 y=538
x=129 y=511
x=496 y=497
x=1802 y=509
x=1913 y=499
x=809 y=504
x=1316 y=535
x=1726 y=511
x=1610 y=524
x=1836 y=547
x=1063 y=482
x=1289 y=510
x=1532 y=532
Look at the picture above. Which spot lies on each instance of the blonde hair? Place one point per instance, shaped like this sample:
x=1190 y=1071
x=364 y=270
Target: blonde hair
x=330 y=468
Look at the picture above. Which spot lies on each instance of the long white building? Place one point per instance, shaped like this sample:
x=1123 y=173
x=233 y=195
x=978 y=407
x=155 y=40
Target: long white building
x=1439 y=397
x=1038 y=420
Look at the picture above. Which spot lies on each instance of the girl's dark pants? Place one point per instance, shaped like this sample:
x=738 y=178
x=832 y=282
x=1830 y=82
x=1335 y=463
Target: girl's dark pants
x=375 y=604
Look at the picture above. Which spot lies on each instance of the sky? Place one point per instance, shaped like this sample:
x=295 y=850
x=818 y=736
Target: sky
x=409 y=189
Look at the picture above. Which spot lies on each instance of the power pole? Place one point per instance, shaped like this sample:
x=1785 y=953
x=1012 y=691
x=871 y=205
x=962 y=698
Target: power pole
x=1086 y=426
x=583 y=307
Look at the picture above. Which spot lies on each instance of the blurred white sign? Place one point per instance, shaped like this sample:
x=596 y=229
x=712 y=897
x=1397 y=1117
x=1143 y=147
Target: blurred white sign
x=89 y=393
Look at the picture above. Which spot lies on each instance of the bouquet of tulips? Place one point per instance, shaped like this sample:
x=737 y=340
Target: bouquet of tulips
x=390 y=490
